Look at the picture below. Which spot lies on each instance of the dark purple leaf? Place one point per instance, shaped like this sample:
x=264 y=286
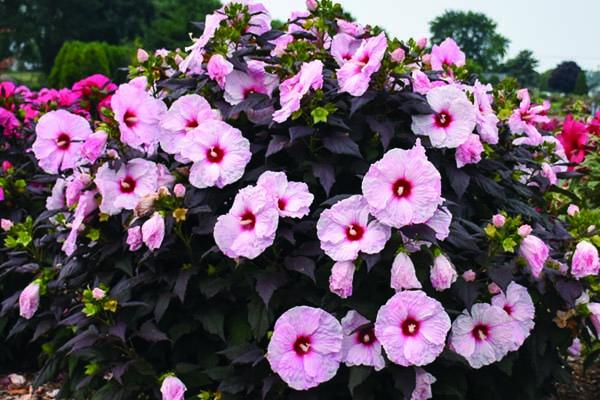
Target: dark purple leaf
x=325 y=174
x=466 y=291
x=150 y=332
x=298 y=132
x=267 y=282
x=181 y=283
x=301 y=264
x=277 y=143
x=341 y=143
x=569 y=290
x=385 y=129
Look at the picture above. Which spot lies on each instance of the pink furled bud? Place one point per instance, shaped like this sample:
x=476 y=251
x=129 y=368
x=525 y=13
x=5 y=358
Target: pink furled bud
x=134 y=238
x=524 y=230
x=113 y=154
x=311 y=5
x=1 y=193
x=469 y=275
x=6 y=224
x=403 y=273
x=426 y=59
x=340 y=280
x=98 y=294
x=422 y=43
x=498 y=220
x=153 y=231
x=575 y=348
x=142 y=55
x=218 y=68
x=398 y=55
x=493 y=288
x=179 y=190
x=442 y=274
x=178 y=59
x=172 y=389
x=535 y=253
x=94 y=146
x=585 y=260
x=6 y=165
x=29 y=300
x=572 y=210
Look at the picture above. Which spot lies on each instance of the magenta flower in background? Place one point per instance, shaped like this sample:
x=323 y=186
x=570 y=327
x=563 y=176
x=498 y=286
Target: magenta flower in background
x=134 y=238
x=422 y=390
x=518 y=305
x=453 y=119
x=446 y=53
x=305 y=349
x=360 y=346
x=1 y=193
x=138 y=114
x=354 y=76
x=535 y=253
x=59 y=138
x=442 y=273
x=344 y=230
x=440 y=222
x=172 y=389
x=412 y=328
x=403 y=187
x=292 y=198
x=292 y=90
x=93 y=84
x=153 y=231
x=403 y=275
x=250 y=225
x=220 y=154
x=123 y=189
x=585 y=260
x=526 y=118
x=29 y=300
x=340 y=280
x=8 y=121
x=239 y=85
x=343 y=47
x=185 y=114
x=574 y=138
x=483 y=336
x=594 y=309
x=94 y=146
x=469 y=152
x=218 y=68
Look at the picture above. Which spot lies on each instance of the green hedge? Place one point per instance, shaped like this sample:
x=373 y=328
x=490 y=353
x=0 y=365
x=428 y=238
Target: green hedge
x=76 y=60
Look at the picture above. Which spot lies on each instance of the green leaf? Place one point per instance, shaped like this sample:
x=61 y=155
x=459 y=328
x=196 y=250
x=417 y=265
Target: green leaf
x=508 y=245
x=258 y=318
x=319 y=114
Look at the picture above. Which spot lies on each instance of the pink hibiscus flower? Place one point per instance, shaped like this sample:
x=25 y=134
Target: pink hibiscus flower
x=403 y=275
x=123 y=189
x=340 y=280
x=585 y=260
x=344 y=230
x=412 y=328
x=185 y=114
x=250 y=225
x=422 y=84
x=483 y=336
x=453 y=119
x=94 y=84
x=59 y=138
x=526 y=117
x=138 y=114
x=574 y=138
x=343 y=47
x=403 y=187
x=193 y=61
x=440 y=223
x=518 y=305
x=469 y=152
x=220 y=154
x=423 y=383
x=487 y=121
x=292 y=90
x=305 y=349
x=360 y=346
x=218 y=68
x=354 y=76
x=535 y=252
x=446 y=54
x=240 y=85
x=292 y=198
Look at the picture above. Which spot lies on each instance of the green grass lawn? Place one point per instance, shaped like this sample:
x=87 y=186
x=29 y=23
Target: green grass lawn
x=32 y=79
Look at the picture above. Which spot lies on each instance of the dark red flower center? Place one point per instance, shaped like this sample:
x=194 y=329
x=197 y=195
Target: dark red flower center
x=443 y=119
x=508 y=309
x=402 y=188
x=130 y=119
x=281 y=203
x=366 y=335
x=63 y=141
x=302 y=345
x=410 y=327
x=480 y=332
x=127 y=185
x=191 y=124
x=248 y=91
x=354 y=232
x=248 y=220
x=215 y=154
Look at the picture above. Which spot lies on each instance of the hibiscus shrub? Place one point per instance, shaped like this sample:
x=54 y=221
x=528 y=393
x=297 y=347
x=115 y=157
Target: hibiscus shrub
x=320 y=212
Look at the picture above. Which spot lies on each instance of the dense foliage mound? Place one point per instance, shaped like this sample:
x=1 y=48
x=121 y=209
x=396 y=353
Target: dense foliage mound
x=320 y=212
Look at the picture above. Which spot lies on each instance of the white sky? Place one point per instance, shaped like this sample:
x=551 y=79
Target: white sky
x=555 y=30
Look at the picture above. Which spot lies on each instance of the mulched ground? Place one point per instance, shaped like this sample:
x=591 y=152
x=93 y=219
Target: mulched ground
x=584 y=387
